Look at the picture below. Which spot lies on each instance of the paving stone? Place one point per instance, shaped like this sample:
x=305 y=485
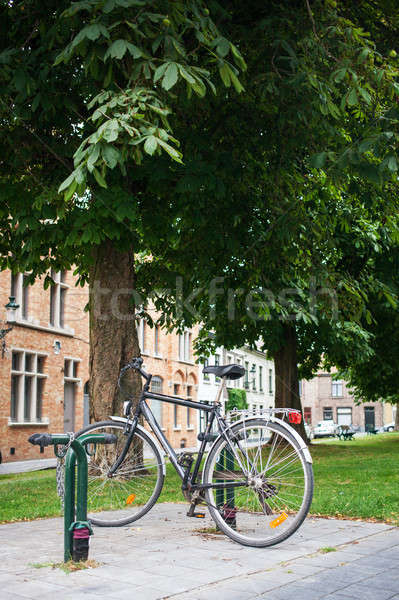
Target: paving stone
x=157 y=558
x=389 y=581
x=366 y=592
x=136 y=594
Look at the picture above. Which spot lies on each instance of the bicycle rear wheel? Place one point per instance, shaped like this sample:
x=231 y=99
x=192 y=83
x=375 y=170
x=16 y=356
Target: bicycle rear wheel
x=135 y=487
x=274 y=483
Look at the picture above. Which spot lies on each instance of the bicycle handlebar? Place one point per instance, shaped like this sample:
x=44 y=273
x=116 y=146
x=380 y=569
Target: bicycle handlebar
x=134 y=364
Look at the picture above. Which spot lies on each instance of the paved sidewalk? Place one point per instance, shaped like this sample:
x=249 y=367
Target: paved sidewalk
x=23 y=466
x=165 y=556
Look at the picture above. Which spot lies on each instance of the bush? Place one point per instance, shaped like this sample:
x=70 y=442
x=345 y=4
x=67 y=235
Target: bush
x=237 y=399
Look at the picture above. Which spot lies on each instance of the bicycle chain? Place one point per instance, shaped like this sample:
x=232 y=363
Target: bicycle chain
x=60 y=469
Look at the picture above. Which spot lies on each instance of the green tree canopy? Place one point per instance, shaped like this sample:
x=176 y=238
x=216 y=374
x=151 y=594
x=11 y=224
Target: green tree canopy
x=90 y=94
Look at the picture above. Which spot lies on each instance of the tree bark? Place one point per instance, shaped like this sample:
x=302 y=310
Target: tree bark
x=286 y=372
x=113 y=334
x=397 y=419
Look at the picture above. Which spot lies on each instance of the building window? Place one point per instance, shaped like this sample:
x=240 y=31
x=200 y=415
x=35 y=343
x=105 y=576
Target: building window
x=337 y=388
x=260 y=378
x=58 y=292
x=238 y=382
x=327 y=413
x=71 y=369
x=270 y=381
x=344 y=416
x=307 y=414
x=176 y=389
x=253 y=371
x=176 y=423
x=20 y=291
x=156 y=340
x=246 y=379
x=141 y=327
x=156 y=384
x=300 y=387
x=156 y=405
x=205 y=376
x=185 y=346
x=27 y=385
x=217 y=363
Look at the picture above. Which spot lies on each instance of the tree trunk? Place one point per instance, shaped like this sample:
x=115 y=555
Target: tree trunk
x=113 y=335
x=286 y=371
x=397 y=419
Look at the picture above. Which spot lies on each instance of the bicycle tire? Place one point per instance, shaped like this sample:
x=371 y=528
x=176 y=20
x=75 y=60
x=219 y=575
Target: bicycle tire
x=134 y=488
x=275 y=498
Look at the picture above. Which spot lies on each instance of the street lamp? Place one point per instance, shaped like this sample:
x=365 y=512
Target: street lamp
x=11 y=317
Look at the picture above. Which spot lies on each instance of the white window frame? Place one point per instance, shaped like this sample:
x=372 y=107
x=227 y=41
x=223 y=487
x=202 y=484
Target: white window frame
x=205 y=376
x=217 y=364
x=157 y=331
x=253 y=368
x=141 y=327
x=342 y=412
x=69 y=362
x=22 y=375
x=337 y=388
x=246 y=375
x=238 y=383
x=157 y=405
x=58 y=290
x=185 y=346
x=21 y=295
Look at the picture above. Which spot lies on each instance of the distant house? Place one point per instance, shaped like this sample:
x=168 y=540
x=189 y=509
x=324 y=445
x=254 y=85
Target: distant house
x=325 y=398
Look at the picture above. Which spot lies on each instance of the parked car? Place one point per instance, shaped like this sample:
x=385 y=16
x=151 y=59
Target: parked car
x=325 y=429
x=388 y=427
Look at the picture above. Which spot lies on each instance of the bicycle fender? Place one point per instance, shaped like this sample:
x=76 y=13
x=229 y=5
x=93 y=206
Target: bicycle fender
x=161 y=451
x=291 y=430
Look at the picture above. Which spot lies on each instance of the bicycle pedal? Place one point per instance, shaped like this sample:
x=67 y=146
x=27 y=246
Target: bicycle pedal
x=197 y=515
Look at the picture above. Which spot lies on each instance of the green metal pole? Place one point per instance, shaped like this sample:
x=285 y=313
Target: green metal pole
x=69 y=502
x=74 y=517
x=220 y=491
x=81 y=495
x=230 y=498
x=72 y=513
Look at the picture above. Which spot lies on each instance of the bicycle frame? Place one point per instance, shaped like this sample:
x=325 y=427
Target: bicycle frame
x=144 y=410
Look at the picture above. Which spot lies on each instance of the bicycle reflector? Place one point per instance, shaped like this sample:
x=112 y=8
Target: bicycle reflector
x=295 y=417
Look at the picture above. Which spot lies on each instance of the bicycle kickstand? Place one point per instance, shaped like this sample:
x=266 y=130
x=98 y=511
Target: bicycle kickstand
x=196 y=499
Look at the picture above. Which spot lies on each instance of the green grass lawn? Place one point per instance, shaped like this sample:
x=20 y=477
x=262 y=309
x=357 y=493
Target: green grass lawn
x=357 y=479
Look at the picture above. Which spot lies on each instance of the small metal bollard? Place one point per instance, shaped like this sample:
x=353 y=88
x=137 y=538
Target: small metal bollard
x=80 y=541
x=77 y=528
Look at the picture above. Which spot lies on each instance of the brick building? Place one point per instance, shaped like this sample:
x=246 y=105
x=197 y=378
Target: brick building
x=45 y=368
x=44 y=373
x=169 y=357
x=327 y=399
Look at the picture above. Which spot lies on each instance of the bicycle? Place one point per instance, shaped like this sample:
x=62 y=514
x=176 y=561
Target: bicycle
x=257 y=478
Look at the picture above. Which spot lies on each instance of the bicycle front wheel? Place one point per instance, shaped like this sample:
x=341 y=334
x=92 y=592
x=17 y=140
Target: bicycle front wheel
x=263 y=483
x=133 y=490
